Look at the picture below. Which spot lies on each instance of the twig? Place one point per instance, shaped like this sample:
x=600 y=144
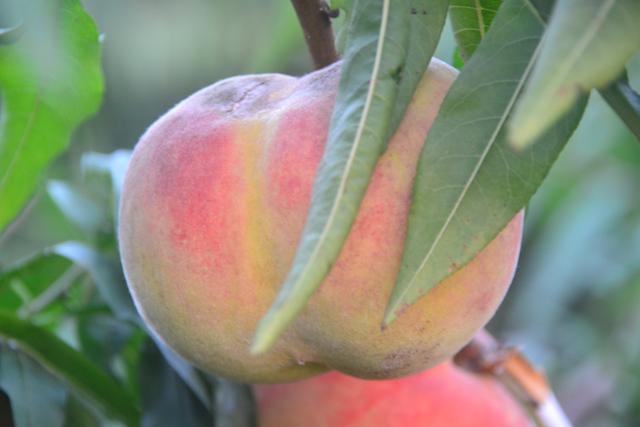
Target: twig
x=528 y=385
x=315 y=20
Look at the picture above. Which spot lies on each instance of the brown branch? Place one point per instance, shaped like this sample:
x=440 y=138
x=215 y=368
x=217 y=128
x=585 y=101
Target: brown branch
x=509 y=366
x=315 y=20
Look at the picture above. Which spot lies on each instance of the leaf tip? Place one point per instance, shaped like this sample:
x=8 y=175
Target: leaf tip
x=518 y=143
x=390 y=314
x=265 y=337
x=520 y=136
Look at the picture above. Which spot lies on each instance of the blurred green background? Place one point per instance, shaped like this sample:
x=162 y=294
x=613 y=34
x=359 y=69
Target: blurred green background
x=574 y=307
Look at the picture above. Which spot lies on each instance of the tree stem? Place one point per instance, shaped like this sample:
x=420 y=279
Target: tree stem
x=526 y=384
x=315 y=20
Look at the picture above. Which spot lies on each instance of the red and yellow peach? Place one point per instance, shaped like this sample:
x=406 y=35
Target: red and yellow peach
x=214 y=202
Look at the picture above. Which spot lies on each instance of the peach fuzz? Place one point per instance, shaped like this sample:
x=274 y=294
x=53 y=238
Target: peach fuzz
x=444 y=396
x=214 y=202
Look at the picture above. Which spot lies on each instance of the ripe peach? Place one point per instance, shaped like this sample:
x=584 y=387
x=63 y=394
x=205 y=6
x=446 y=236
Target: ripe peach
x=443 y=396
x=214 y=202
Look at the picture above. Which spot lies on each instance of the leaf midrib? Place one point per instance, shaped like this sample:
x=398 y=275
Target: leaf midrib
x=590 y=32
x=357 y=140
x=469 y=182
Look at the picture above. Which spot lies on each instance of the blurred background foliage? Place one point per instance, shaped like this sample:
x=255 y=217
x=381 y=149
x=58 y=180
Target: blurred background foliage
x=574 y=307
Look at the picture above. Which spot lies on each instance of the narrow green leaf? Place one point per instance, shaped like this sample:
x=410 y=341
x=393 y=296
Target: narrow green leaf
x=105 y=273
x=37 y=398
x=29 y=279
x=586 y=46
x=70 y=366
x=235 y=406
x=102 y=337
x=542 y=8
x=470 y=182
x=625 y=102
x=190 y=375
x=166 y=400
x=78 y=414
x=35 y=274
x=457 y=62
x=470 y=20
x=619 y=94
x=426 y=23
x=114 y=165
x=375 y=57
x=51 y=81
x=77 y=207
x=10 y=35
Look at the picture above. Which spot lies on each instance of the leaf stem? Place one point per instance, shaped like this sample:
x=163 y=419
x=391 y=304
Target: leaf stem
x=315 y=20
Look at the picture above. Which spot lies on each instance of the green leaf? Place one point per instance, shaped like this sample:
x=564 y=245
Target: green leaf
x=78 y=208
x=71 y=366
x=190 y=375
x=235 y=406
x=470 y=182
x=37 y=398
x=625 y=102
x=10 y=35
x=33 y=277
x=619 y=94
x=114 y=165
x=51 y=81
x=542 y=8
x=77 y=414
x=389 y=45
x=426 y=21
x=166 y=400
x=105 y=273
x=102 y=337
x=458 y=62
x=470 y=20
x=26 y=281
x=378 y=34
x=586 y=46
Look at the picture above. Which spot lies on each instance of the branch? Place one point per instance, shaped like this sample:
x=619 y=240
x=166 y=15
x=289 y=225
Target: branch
x=529 y=386
x=315 y=20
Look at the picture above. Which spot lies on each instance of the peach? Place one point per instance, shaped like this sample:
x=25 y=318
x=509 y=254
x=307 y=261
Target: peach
x=214 y=202
x=443 y=396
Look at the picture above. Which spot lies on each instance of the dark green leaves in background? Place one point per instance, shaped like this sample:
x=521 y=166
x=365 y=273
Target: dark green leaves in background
x=70 y=338
x=470 y=182
x=50 y=82
x=160 y=385
x=31 y=386
x=586 y=46
x=388 y=47
x=625 y=102
x=68 y=364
